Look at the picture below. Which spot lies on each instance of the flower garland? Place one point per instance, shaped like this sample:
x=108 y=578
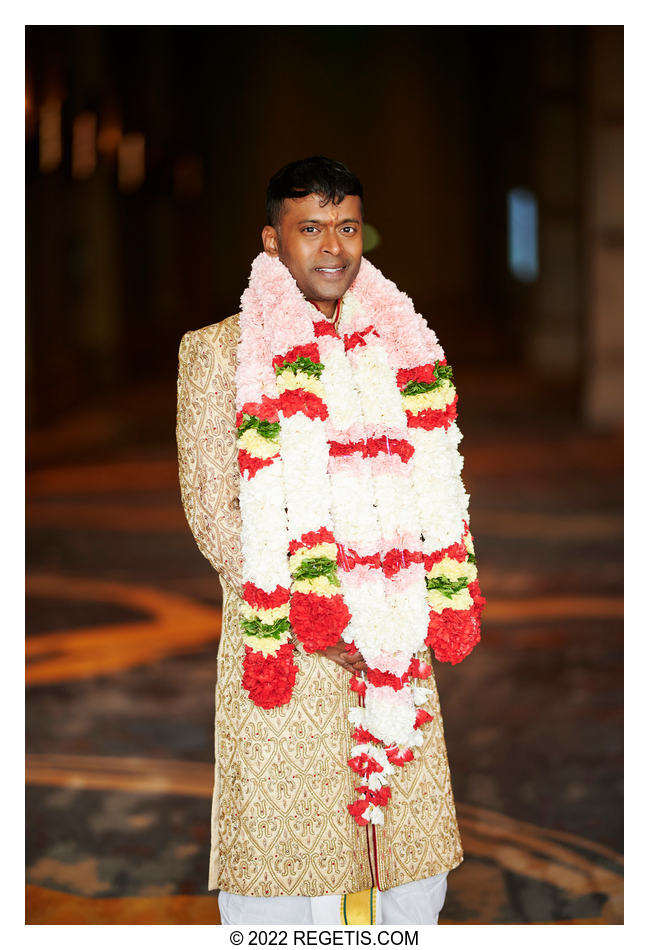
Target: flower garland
x=354 y=516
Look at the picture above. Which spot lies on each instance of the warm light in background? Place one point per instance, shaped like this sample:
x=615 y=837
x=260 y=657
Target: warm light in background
x=50 y=135
x=130 y=162
x=109 y=137
x=522 y=234
x=84 y=155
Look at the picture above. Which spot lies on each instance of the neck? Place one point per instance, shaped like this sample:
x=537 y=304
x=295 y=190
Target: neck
x=329 y=308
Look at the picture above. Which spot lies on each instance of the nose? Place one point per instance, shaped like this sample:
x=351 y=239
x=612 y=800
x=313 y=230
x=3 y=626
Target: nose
x=331 y=243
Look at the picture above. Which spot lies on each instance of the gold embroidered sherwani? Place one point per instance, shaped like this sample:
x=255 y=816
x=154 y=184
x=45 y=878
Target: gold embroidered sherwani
x=280 y=824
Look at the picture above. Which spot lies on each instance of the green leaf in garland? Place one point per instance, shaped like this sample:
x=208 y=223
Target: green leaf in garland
x=442 y=373
x=470 y=557
x=255 y=628
x=267 y=430
x=446 y=586
x=414 y=388
x=317 y=567
x=303 y=364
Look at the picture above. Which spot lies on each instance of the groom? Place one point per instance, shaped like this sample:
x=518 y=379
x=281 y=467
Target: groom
x=324 y=415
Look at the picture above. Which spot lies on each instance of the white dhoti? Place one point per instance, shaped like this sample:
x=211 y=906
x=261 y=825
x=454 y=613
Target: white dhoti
x=418 y=902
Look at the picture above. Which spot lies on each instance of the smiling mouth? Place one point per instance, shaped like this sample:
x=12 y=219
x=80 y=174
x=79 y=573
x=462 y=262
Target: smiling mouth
x=332 y=271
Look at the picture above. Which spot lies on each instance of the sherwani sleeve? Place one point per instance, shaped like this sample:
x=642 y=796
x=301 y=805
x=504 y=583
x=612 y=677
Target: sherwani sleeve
x=207 y=448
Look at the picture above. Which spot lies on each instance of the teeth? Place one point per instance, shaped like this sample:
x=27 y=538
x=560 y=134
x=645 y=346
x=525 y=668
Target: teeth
x=329 y=270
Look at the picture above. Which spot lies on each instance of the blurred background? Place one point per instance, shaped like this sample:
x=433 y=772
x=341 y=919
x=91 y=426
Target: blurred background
x=492 y=161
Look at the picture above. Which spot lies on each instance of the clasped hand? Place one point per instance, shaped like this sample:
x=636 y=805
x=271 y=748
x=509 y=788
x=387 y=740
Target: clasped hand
x=352 y=662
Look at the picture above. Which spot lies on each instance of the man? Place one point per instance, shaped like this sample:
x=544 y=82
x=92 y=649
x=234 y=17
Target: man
x=320 y=476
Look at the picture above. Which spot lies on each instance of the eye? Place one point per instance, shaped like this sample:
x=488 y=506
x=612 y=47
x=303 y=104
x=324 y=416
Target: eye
x=349 y=229
x=309 y=229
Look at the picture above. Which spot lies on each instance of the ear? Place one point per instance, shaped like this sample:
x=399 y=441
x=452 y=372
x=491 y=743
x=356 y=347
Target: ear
x=270 y=240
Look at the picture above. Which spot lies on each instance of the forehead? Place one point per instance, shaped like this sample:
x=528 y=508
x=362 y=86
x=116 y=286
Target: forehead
x=311 y=208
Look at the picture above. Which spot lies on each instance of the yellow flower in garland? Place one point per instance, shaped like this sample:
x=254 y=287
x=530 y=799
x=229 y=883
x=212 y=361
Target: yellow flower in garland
x=454 y=570
x=316 y=585
x=257 y=445
x=460 y=601
x=269 y=646
x=325 y=550
x=267 y=615
x=437 y=398
x=287 y=379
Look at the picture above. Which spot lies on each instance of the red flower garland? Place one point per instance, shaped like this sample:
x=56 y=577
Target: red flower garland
x=324 y=328
x=397 y=757
x=301 y=400
x=381 y=678
x=364 y=764
x=452 y=634
x=310 y=538
x=351 y=340
x=251 y=463
x=420 y=670
x=348 y=558
x=373 y=447
x=269 y=680
x=258 y=598
x=308 y=350
x=379 y=796
x=318 y=621
x=266 y=409
x=358 y=686
x=361 y=735
x=432 y=418
x=455 y=551
x=356 y=810
x=418 y=374
x=395 y=560
x=421 y=717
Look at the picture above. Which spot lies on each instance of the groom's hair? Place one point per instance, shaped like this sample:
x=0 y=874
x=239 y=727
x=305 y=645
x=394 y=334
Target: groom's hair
x=310 y=176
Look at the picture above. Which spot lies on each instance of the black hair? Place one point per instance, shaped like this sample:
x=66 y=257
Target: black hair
x=310 y=176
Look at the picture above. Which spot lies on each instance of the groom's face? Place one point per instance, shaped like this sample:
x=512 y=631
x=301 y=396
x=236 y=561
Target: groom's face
x=322 y=245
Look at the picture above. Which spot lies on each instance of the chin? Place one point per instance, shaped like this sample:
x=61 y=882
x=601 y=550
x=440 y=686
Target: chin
x=332 y=291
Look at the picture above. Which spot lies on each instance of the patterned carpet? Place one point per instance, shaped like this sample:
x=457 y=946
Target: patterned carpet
x=123 y=621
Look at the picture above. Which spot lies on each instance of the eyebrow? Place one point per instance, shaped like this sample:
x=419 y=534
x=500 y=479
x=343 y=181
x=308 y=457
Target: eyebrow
x=322 y=221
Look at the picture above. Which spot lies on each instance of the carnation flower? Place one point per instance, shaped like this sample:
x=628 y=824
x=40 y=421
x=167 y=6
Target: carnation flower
x=269 y=679
x=359 y=810
x=360 y=687
x=380 y=678
x=318 y=622
x=364 y=764
x=419 y=670
x=453 y=634
x=398 y=756
x=362 y=735
x=300 y=400
x=422 y=717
